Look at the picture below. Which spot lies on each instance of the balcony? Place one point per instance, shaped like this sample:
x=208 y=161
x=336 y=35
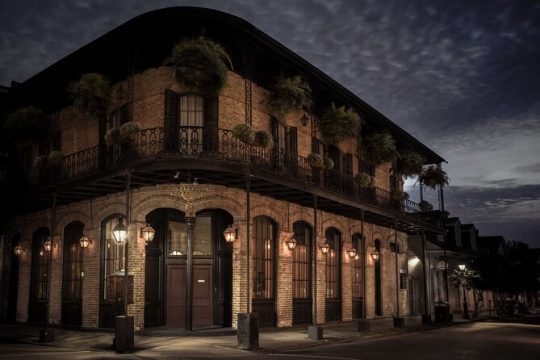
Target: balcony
x=216 y=156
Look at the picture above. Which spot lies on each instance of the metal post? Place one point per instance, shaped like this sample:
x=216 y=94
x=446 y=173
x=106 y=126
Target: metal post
x=128 y=219
x=314 y=259
x=398 y=322
x=447 y=297
x=426 y=317
x=363 y=255
x=47 y=335
x=421 y=191
x=190 y=225
x=248 y=255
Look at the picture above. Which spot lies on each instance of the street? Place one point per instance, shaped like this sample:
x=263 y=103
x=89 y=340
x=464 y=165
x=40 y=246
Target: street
x=475 y=340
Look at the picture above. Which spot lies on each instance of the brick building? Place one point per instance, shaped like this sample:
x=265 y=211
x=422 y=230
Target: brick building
x=268 y=195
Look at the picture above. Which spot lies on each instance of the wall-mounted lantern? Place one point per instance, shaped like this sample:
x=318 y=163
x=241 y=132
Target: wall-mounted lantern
x=231 y=233
x=352 y=253
x=147 y=233
x=19 y=249
x=84 y=241
x=462 y=267
x=375 y=256
x=291 y=243
x=47 y=244
x=120 y=231
x=325 y=248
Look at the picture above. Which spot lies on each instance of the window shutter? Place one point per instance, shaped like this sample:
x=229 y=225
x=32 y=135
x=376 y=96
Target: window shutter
x=293 y=141
x=171 y=120
x=211 y=123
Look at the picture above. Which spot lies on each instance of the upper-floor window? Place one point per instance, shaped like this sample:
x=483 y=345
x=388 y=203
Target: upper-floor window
x=191 y=110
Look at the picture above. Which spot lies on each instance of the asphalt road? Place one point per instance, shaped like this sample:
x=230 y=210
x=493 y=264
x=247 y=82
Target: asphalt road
x=481 y=340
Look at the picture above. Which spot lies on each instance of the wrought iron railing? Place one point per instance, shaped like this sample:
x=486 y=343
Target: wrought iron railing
x=220 y=144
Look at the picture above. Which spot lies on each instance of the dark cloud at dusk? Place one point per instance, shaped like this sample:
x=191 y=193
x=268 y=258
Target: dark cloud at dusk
x=461 y=76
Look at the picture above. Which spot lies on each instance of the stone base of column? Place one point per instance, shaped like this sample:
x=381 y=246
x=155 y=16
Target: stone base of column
x=362 y=325
x=124 y=334
x=46 y=335
x=247 y=333
x=399 y=322
x=315 y=332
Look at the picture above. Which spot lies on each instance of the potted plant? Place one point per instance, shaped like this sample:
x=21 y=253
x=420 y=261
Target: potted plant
x=200 y=64
x=409 y=164
x=316 y=161
x=26 y=123
x=263 y=139
x=328 y=163
x=91 y=94
x=244 y=132
x=425 y=206
x=364 y=180
x=288 y=94
x=112 y=136
x=434 y=175
x=378 y=148
x=338 y=123
x=129 y=132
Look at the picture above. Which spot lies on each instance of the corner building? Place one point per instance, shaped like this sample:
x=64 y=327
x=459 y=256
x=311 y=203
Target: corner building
x=268 y=195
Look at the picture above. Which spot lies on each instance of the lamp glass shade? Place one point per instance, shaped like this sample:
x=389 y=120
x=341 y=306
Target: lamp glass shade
x=120 y=231
x=47 y=245
x=325 y=248
x=291 y=243
x=230 y=234
x=147 y=233
x=352 y=253
x=84 y=241
x=375 y=256
x=18 y=250
x=304 y=119
x=461 y=267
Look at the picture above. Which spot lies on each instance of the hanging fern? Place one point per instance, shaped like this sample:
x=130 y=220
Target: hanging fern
x=364 y=180
x=434 y=175
x=263 y=139
x=328 y=163
x=244 y=132
x=378 y=148
x=26 y=123
x=425 y=205
x=91 y=94
x=409 y=164
x=316 y=160
x=288 y=94
x=200 y=64
x=338 y=123
x=54 y=159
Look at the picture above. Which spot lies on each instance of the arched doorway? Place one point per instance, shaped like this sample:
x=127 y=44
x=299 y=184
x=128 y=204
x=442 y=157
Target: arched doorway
x=39 y=279
x=12 y=286
x=333 y=275
x=165 y=270
x=264 y=255
x=302 y=273
x=357 y=277
x=72 y=279
x=378 y=284
x=112 y=263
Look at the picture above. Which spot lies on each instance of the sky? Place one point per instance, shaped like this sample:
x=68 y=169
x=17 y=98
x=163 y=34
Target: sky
x=462 y=76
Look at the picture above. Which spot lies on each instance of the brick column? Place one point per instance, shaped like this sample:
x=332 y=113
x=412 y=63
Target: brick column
x=239 y=274
x=284 y=275
x=23 y=296
x=55 y=277
x=136 y=265
x=346 y=284
x=320 y=316
x=90 y=280
x=370 y=282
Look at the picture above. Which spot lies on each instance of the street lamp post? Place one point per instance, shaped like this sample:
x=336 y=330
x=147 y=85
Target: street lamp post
x=463 y=268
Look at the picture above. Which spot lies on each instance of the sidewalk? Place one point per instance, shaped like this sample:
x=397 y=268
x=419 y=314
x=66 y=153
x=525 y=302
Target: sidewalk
x=271 y=340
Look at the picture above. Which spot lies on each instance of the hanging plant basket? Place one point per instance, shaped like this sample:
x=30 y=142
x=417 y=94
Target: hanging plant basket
x=91 y=94
x=287 y=95
x=378 y=148
x=244 y=132
x=129 y=131
x=200 y=64
x=338 y=123
x=364 y=180
x=434 y=175
x=316 y=160
x=398 y=196
x=425 y=206
x=409 y=164
x=328 y=163
x=54 y=158
x=263 y=139
x=26 y=123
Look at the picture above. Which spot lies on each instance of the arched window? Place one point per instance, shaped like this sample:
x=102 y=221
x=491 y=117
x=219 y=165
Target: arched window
x=264 y=275
x=333 y=275
x=113 y=251
x=72 y=279
x=378 y=284
x=39 y=277
x=301 y=261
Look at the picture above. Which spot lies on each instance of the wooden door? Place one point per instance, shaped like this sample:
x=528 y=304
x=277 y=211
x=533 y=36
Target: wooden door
x=176 y=295
x=202 y=295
